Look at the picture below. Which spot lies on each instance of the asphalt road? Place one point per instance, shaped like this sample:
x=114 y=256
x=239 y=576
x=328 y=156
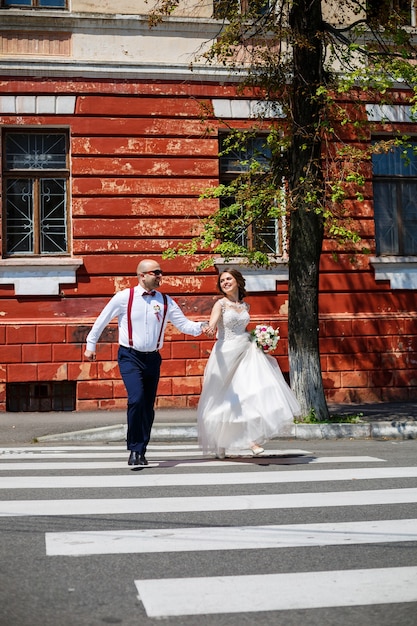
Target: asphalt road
x=50 y=577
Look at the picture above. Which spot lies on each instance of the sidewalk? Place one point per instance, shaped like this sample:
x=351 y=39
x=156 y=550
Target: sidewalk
x=378 y=421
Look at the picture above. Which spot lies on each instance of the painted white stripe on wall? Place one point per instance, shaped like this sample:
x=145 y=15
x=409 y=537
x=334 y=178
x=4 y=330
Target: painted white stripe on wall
x=389 y=112
x=246 y=109
x=229 y=538
x=50 y=104
x=19 y=508
x=277 y=592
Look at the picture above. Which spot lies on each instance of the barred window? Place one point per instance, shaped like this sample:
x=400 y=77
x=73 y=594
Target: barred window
x=395 y=201
x=225 y=9
x=380 y=10
x=267 y=235
x=35 y=189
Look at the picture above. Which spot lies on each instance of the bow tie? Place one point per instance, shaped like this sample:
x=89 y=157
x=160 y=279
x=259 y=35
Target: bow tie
x=148 y=293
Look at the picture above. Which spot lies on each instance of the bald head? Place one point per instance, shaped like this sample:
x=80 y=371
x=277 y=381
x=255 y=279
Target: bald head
x=147 y=265
x=146 y=276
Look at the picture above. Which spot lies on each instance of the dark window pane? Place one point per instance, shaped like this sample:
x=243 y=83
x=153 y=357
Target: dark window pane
x=380 y=10
x=237 y=159
x=396 y=162
x=409 y=213
x=35 y=151
x=17 y=3
x=267 y=236
x=19 y=216
x=53 y=226
x=48 y=4
x=52 y=3
x=224 y=9
x=386 y=224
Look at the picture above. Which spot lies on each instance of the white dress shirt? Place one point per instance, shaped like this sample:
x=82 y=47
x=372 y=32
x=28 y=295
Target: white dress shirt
x=147 y=315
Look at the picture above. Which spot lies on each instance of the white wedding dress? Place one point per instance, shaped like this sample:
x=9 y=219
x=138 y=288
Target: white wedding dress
x=245 y=399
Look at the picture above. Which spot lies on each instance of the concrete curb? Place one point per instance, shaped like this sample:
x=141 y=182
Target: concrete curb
x=185 y=431
x=372 y=430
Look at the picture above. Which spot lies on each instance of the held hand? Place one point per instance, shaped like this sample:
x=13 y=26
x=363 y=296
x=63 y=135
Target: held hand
x=90 y=355
x=210 y=331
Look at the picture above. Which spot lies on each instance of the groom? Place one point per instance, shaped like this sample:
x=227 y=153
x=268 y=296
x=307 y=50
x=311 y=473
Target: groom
x=142 y=313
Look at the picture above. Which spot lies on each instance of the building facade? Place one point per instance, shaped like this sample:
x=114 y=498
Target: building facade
x=110 y=131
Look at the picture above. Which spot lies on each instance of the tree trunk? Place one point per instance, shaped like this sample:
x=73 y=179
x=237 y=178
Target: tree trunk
x=307 y=225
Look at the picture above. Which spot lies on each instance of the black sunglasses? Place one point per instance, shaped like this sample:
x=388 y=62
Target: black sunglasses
x=154 y=272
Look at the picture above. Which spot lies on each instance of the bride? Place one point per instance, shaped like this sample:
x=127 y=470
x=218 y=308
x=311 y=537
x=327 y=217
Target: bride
x=245 y=400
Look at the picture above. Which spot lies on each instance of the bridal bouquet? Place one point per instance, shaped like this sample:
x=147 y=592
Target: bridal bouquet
x=265 y=337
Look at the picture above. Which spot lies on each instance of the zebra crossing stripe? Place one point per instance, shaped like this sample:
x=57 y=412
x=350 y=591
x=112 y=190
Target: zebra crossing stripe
x=115 y=506
x=277 y=592
x=40 y=464
x=288 y=457
x=145 y=479
x=111 y=446
x=229 y=538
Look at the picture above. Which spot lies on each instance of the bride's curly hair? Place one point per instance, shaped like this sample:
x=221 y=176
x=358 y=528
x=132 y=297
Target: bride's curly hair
x=241 y=282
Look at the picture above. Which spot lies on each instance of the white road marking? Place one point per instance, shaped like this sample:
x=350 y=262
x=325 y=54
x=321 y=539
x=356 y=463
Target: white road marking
x=151 y=448
x=92 y=452
x=117 y=506
x=39 y=449
x=144 y=479
x=288 y=457
x=277 y=592
x=229 y=538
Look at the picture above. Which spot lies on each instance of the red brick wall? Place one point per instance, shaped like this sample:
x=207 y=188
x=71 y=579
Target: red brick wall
x=140 y=156
x=364 y=359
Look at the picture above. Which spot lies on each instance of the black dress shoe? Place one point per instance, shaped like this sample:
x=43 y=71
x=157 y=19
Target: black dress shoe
x=133 y=458
x=142 y=460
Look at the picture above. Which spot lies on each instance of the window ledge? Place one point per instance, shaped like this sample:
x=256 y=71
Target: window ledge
x=401 y=271
x=35 y=276
x=257 y=278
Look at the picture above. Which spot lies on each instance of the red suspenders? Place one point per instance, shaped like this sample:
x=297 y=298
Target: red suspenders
x=129 y=317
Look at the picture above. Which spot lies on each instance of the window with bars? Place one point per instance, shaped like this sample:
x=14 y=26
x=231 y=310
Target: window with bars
x=380 y=10
x=34 y=4
x=224 y=9
x=395 y=201
x=267 y=235
x=35 y=189
x=41 y=396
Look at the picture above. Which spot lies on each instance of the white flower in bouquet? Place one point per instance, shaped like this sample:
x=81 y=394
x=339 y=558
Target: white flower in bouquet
x=265 y=337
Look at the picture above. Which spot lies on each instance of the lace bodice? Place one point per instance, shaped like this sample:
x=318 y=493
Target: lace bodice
x=233 y=320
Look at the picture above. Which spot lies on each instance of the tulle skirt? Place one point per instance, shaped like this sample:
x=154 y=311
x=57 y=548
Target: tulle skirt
x=245 y=399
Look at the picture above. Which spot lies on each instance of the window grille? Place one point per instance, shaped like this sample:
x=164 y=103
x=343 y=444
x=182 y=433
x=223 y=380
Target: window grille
x=267 y=235
x=41 y=396
x=224 y=9
x=380 y=10
x=35 y=189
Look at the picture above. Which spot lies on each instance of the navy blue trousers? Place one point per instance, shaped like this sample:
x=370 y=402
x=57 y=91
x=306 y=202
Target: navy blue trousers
x=140 y=373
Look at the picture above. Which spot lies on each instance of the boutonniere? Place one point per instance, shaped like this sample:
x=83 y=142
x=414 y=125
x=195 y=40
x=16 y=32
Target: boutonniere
x=157 y=310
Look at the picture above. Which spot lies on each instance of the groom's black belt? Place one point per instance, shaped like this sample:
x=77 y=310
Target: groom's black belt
x=139 y=351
